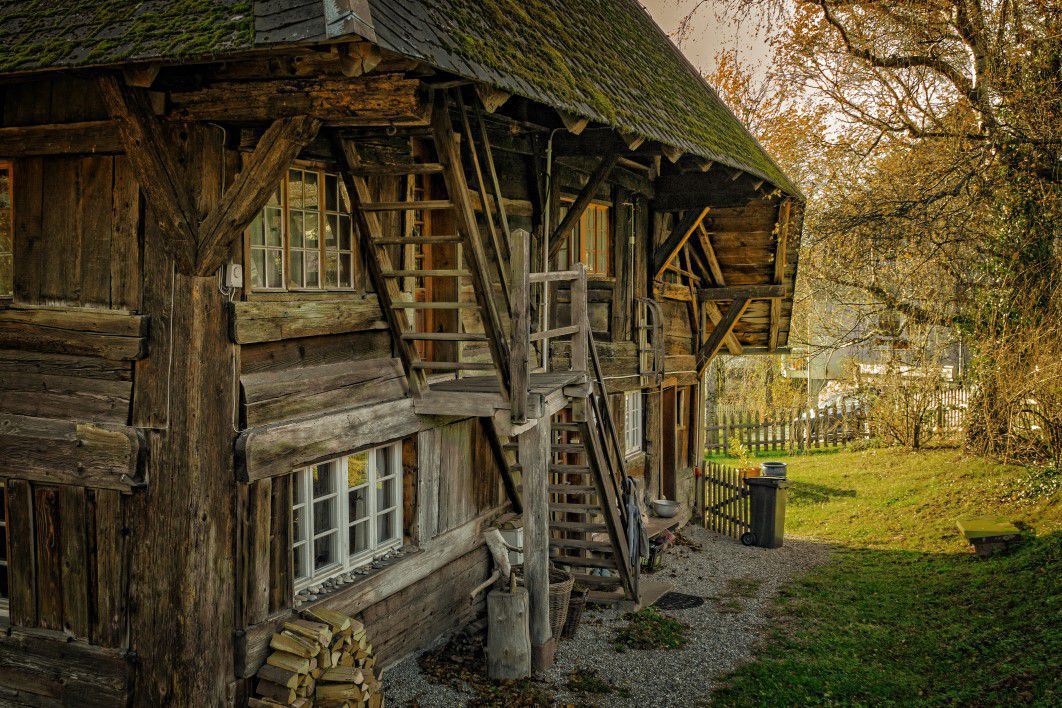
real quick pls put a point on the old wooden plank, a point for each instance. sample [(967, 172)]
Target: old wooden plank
[(22, 579), (381, 99), (46, 669), (73, 524), (715, 340), (95, 229), (125, 242), (277, 449), (288, 394), (680, 233), (281, 572), (110, 594), (61, 232), (57, 396), (750, 292), (28, 245), (260, 530), (69, 452), (87, 137), (80, 332), (266, 321), (46, 526)]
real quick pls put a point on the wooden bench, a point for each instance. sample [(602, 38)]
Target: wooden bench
[(988, 534)]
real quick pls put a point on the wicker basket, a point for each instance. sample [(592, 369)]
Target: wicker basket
[(560, 592), (575, 612)]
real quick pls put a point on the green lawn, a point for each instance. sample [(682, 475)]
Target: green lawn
[(903, 613)]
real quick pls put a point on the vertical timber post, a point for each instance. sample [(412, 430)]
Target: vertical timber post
[(520, 322), (534, 453)]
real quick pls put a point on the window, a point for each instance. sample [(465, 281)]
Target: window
[(7, 230), (632, 422), (345, 512), (590, 242), (3, 549), (303, 239)]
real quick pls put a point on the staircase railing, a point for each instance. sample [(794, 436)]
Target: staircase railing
[(578, 331)]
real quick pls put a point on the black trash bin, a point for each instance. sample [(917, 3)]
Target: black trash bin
[(768, 512)]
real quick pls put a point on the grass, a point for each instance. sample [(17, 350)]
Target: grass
[(649, 629), (902, 612)]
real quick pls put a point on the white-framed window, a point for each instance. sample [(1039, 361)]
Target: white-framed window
[(632, 422), (345, 512)]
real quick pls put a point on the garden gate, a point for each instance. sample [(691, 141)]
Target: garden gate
[(728, 509)]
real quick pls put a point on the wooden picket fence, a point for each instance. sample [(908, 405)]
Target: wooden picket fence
[(728, 508), (829, 426)]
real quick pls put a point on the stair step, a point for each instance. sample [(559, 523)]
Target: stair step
[(606, 597), (416, 239), (569, 447), (424, 205), (419, 168), (572, 489), (581, 544), (445, 336), (577, 526), (598, 581), (577, 562), (453, 366), (405, 305), (570, 469), (426, 274), (578, 508), (577, 427)]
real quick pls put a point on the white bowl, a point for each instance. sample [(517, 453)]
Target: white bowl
[(665, 508)]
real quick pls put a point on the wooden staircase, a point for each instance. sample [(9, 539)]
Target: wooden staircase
[(588, 531), (387, 279)]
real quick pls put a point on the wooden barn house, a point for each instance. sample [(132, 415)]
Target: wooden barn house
[(298, 297)]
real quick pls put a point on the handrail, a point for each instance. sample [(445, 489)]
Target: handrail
[(522, 337)]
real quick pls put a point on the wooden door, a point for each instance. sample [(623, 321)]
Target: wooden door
[(668, 457)]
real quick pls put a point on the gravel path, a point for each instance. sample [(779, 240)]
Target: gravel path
[(737, 582)]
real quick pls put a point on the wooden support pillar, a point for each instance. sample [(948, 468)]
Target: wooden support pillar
[(534, 453), (181, 593)]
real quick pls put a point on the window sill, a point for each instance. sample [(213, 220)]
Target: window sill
[(352, 578)]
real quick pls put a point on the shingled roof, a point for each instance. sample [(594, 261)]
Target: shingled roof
[(601, 59)]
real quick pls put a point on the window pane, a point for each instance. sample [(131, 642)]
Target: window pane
[(311, 227), (324, 551), (274, 198), (385, 529), (258, 266), (257, 233), (295, 229), (323, 480), (310, 199), (273, 234), (359, 538), (385, 494), (346, 270), (358, 500), (324, 515), (296, 269), (313, 269), (275, 268), (357, 469), (331, 230), (295, 189), (331, 274)]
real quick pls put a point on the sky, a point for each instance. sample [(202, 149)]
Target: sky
[(709, 33)]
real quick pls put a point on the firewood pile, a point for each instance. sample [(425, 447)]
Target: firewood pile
[(322, 659)]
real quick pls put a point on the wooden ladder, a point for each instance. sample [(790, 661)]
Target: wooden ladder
[(386, 278), (587, 531)]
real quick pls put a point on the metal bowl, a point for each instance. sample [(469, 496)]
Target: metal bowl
[(665, 508)]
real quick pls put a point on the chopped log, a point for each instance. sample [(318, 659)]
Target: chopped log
[(290, 662), (508, 636), (337, 621), (268, 689), (313, 631), (343, 674), (281, 677), (284, 641)]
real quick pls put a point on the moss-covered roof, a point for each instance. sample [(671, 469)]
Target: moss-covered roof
[(602, 59), (36, 34)]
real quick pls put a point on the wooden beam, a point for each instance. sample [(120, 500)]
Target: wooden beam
[(666, 251), (149, 147), (534, 456), (254, 321), (687, 190), (747, 292), (258, 179), (715, 340), (96, 333), (87, 138), (375, 100), (582, 201), (673, 154), (716, 316), (491, 98), (709, 252), (780, 258)]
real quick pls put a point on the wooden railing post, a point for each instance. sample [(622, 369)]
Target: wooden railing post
[(520, 352), (581, 319)]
